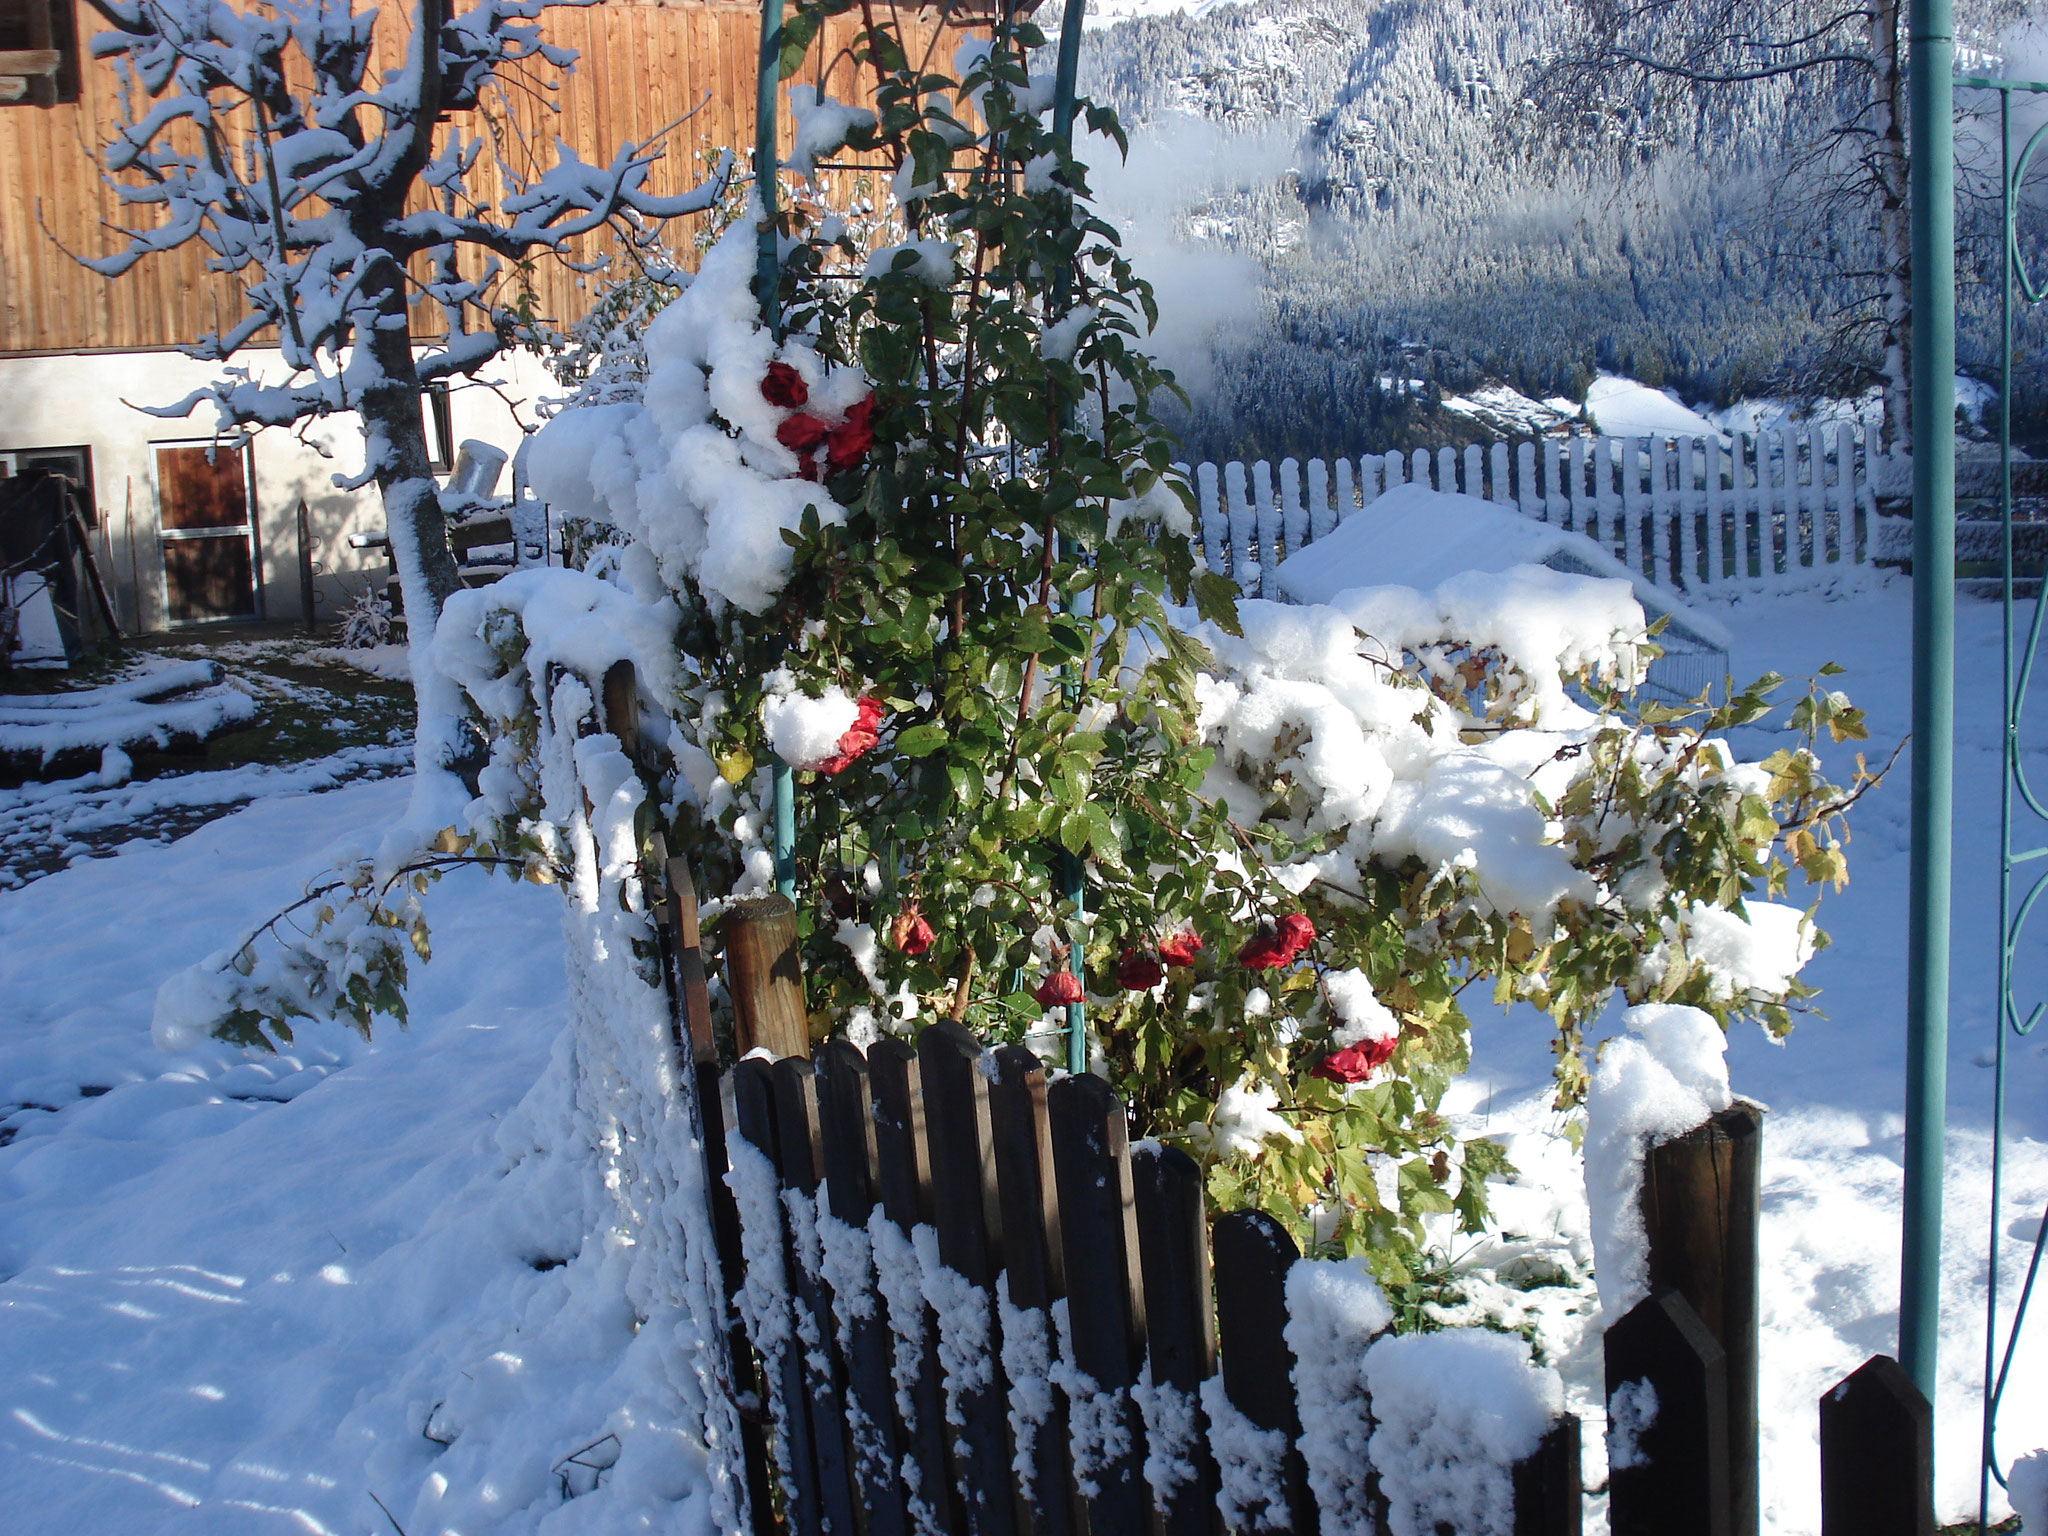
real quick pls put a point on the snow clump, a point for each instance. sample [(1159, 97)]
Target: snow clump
[(822, 126), (1652, 1085), (1334, 1311), (1455, 1412), (695, 472), (2027, 1486), (804, 731)]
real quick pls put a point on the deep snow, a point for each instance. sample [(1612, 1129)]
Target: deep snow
[(220, 1313)]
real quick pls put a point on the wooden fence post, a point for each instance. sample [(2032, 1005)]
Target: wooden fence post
[(1253, 1255), (1180, 1314), (1550, 1495), (1034, 1265), (697, 1055), (968, 1217), (764, 976), (1876, 1454), (1105, 1303), (847, 1133), (1701, 1197), (903, 1180), (753, 1094), (796, 1126), (1667, 1412)]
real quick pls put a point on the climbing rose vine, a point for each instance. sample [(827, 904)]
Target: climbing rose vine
[(926, 544)]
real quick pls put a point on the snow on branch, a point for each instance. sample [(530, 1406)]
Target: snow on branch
[(267, 136)]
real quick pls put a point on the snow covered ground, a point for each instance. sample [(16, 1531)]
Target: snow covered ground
[(254, 1295)]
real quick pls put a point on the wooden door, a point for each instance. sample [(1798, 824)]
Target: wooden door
[(208, 532)]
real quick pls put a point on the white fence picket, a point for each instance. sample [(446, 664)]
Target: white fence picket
[(1768, 507)]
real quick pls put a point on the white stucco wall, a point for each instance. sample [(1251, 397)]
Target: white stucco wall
[(63, 401)]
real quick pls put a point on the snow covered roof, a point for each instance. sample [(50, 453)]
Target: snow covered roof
[(1415, 537), (1623, 408)]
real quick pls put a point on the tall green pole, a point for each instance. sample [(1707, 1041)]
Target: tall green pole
[(1932, 147), (1063, 127), (767, 283)]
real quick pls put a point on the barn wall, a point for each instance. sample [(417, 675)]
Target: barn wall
[(642, 68)]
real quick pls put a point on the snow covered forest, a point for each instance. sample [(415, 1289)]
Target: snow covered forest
[(1358, 194)]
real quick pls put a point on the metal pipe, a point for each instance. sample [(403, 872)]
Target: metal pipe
[(1932, 182), (767, 285), (1063, 128)]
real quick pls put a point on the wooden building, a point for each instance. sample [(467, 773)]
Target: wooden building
[(190, 530)]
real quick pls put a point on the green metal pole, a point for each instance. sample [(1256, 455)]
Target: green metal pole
[(1931, 128), (1063, 128), (767, 283)]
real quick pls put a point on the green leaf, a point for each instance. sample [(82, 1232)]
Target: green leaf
[(1216, 601), (922, 740)]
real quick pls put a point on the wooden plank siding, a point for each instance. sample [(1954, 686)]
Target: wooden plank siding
[(643, 65)]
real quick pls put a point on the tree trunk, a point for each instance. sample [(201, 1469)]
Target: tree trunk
[(1893, 222), (395, 453)]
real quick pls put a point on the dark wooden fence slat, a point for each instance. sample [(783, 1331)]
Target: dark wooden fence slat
[(903, 1184), (1252, 1256), (1105, 1300), (1033, 1264), (1550, 1496), (967, 1213), (1702, 1194), (1180, 1313), (1678, 1482), (1876, 1454), (796, 1125), (754, 1118), (846, 1114), (697, 1055)]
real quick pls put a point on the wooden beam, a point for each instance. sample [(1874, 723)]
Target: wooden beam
[(30, 61)]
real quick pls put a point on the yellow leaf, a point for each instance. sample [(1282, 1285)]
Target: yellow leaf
[(736, 765)]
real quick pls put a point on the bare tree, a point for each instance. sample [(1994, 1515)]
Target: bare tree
[(341, 196), (1847, 166)]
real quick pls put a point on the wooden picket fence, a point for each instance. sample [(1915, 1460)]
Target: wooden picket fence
[(1689, 513), (862, 1412)]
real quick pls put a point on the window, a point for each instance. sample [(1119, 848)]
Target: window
[(438, 417), (73, 463), (38, 52)]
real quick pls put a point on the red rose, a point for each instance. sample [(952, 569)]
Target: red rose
[(849, 442), (802, 432), (785, 387), (1058, 988), (1354, 1063), (1138, 971), (857, 739), (1278, 945), (910, 933), (1180, 948)]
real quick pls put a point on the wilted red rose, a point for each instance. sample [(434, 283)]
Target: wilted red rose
[(785, 387), (849, 442), (910, 933), (802, 432), (1058, 989), (857, 739), (1277, 945), (1180, 948), (1138, 971), (1354, 1063)]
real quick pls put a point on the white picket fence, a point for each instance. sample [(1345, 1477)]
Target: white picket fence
[(1766, 509)]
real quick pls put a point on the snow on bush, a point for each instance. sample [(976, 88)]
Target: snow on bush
[(1455, 1411), (1663, 1078), (1334, 1311)]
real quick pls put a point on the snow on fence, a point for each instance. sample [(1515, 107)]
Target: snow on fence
[(1690, 513), (945, 1294)]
